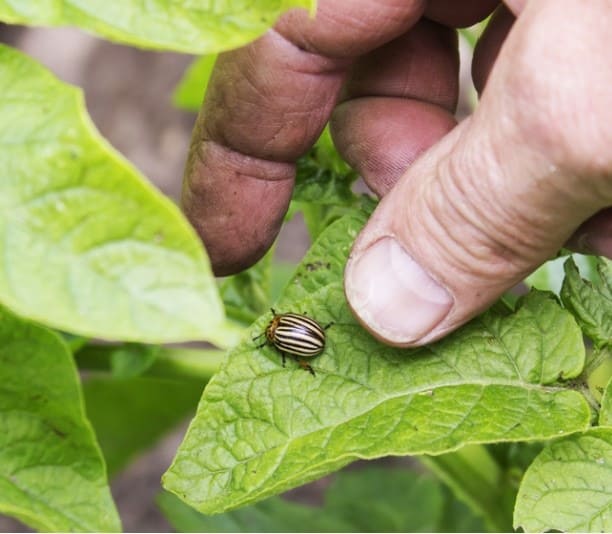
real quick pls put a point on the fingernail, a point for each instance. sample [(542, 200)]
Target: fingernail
[(393, 295)]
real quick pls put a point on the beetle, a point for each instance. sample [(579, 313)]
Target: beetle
[(295, 334)]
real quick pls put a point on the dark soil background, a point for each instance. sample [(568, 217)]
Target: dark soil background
[(127, 91)]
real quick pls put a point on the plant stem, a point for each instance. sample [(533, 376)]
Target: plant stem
[(183, 363), (475, 478)]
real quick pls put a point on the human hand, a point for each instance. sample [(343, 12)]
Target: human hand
[(492, 200)]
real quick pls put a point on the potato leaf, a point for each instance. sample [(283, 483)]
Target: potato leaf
[(53, 476), (187, 26), (262, 428), (88, 245), (590, 302), (567, 488)]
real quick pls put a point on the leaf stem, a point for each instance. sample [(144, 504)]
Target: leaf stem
[(475, 478), (183, 363)]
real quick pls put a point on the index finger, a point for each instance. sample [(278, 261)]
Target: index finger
[(265, 106)]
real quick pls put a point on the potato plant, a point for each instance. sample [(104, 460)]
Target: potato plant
[(510, 417)]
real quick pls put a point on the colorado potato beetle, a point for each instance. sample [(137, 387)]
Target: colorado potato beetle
[(297, 335)]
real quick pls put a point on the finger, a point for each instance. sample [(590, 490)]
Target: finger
[(502, 192), (489, 44), (470, 12), (265, 106), (516, 6), (594, 236), (381, 137), (398, 101)]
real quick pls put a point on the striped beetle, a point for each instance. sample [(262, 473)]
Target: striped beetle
[(297, 335)]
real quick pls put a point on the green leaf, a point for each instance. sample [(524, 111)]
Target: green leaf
[(280, 275), (247, 295), (189, 26), (598, 372), (272, 515), (88, 245), (590, 302), (366, 500), (550, 275), (323, 187), (189, 93), (567, 488), (605, 414), (250, 293), (318, 180), (52, 471), (329, 158), (133, 359), (129, 415), (261, 428), (384, 500)]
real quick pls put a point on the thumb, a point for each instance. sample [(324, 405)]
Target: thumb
[(497, 196)]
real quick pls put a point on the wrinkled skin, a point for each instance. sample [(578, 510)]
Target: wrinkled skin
[(467, 210)]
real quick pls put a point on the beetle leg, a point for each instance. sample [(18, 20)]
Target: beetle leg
[(328, 325), (284, 358), (306, 366), (257, 337)]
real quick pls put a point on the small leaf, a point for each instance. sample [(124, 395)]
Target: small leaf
[(567, 488), (591, 303), (321, 185), (261, 428), (550, 275), (88, 246), (129, 415), (189, 93), (52, 473), (189, 26)]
